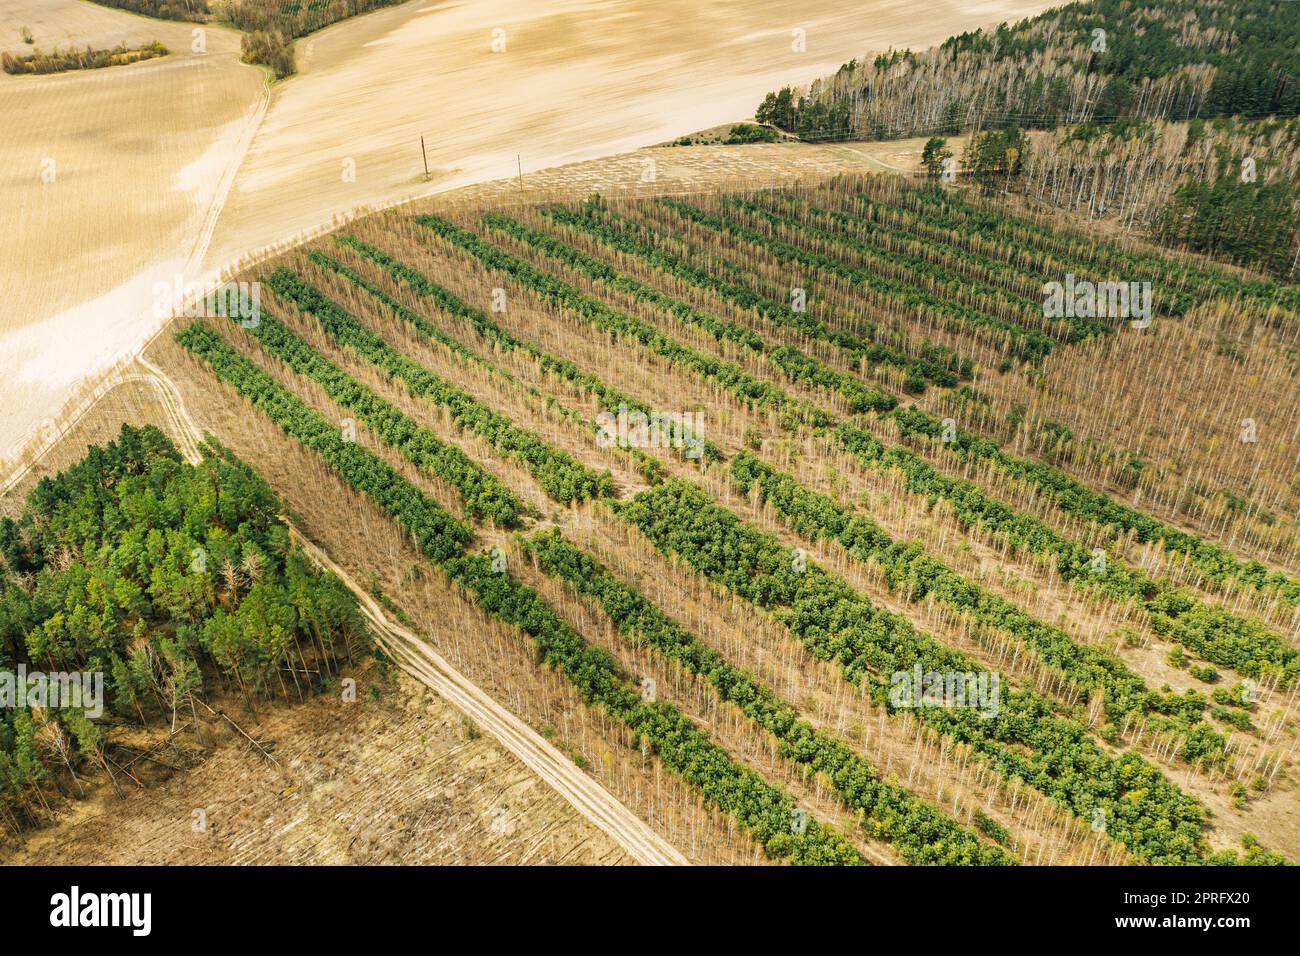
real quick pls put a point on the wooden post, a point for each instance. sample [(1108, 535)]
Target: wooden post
[(426, 159), (520, 163)]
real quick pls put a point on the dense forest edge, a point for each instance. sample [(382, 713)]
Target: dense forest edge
[(133, 587), (1175, 118)]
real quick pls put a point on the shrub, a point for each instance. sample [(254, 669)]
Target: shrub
[(743, 133), (57, 61), (271, 49)]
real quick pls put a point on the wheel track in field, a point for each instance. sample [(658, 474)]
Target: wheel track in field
[(421, 661), (417, 658)]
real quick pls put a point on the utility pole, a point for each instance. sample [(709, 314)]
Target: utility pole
[(426, 159), (520, 164)]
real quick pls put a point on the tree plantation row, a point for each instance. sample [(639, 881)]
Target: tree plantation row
[(1071, 495), (1032, 738), (454, 372), (764, 810), (1219, 636)]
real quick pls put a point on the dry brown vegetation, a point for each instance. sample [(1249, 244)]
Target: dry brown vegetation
[(494, 656), (1158, 417), (396, 777), (905, 750), (1031, 582)]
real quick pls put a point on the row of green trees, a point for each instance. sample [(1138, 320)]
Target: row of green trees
[(490, 331), (562, 476), (438, 535), (728, 375), (485, 496), (166, 580), (924, 362), (938, 365), (920, 832), (1214, 633), (1081, 253), (58, 61), (797, 366), (1140, 808), (1024, 342), (913, 574), (493, 334), (767, 812)]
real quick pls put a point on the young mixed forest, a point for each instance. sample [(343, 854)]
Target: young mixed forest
[(1174, 116), (171, 582)]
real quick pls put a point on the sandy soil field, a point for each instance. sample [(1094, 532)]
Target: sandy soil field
[(106, 178), (170, 168), (576, 79)]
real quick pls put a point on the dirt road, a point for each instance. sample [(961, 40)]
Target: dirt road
[(415, 656), (426, 665), (499, 86), (107, 179)]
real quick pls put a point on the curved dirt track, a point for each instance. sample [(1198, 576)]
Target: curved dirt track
[(496, 86), (417, 658), (426, 665), (109, 179)]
